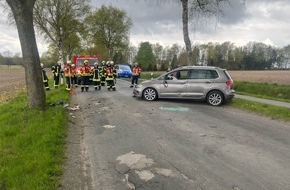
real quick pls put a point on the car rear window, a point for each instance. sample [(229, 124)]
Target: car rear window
[(228, 75), (124, 67)]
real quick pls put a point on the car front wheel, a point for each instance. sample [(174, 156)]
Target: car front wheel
[(215, 98), (150, 94)]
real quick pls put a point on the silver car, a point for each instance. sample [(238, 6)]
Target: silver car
[(211, 84)]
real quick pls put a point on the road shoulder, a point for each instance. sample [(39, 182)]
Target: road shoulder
[(76, 171)]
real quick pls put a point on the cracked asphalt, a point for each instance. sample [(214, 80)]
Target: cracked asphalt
[(117, 142)]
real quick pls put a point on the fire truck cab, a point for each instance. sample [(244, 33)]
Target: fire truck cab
[(79, 61)]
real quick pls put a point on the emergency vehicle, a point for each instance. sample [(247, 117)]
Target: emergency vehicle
[(79, 61)]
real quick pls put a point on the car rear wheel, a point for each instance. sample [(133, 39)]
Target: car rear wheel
[(150, 94), (215, 98)]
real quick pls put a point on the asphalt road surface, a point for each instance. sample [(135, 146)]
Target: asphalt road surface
[(118, 142)]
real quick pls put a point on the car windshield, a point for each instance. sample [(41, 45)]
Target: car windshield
[(124, 67), (80, 61)]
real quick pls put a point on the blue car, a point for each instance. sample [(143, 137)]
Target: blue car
[(124, 70)]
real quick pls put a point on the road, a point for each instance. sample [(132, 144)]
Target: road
[(118, 142)]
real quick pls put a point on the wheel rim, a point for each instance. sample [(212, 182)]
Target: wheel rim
[(149, 94), (215, 99)]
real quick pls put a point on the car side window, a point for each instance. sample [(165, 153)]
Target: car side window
[(177, 75), (171, 76), (203, 74), (212, 74), (183, 74)]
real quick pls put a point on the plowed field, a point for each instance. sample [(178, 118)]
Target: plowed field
[(12, 80), (271, 77)]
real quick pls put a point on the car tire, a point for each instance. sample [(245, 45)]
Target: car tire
[(150, 94), (215, 98)]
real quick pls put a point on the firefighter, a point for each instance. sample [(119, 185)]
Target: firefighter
[(136, 74), (44, 77), (57, 72), (68, 75), (114, 71), (103, 73), (97, 76), (110, 76), (74, 75), (85, 74)]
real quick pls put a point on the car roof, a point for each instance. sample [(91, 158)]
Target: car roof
[(198, 67)]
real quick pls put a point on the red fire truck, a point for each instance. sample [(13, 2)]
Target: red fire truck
[(79, 61)]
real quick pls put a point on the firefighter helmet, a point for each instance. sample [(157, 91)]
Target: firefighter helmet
[(112, 62), (96, 63), (108, 62), (68, 61), (86, 61)]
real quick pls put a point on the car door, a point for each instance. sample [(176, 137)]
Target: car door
[(200, 82), (174, 84)]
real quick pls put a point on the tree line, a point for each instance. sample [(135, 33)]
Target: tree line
[(155, 57), (252, 56)]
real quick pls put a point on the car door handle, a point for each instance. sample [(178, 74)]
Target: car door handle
[(165, 84), (208, 82)]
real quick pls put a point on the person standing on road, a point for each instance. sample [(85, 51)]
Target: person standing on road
[(135, 74), (68, 75), (110, 76), (97, 76), (57, 72), (103, 73), (85, 73), (74, 75), (44, 77)]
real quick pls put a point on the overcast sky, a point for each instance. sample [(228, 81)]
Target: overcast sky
[(266, 21)]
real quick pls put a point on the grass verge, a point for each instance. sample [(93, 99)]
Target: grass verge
[(274, 112), (264, 90), (32, 143)]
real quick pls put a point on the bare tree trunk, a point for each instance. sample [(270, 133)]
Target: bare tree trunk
[(185, 31), (23, 14)]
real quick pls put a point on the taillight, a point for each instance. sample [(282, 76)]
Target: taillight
[(229, 83)]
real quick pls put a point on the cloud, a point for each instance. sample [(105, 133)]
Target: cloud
[(160, 21)]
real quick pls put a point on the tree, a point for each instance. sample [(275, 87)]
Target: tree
[(284, 58), (60, 22), (8, 54), (172, 51), (158, 52), (206, 7), (109, 26), (23, 14), (145, 56), (174, 63)]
